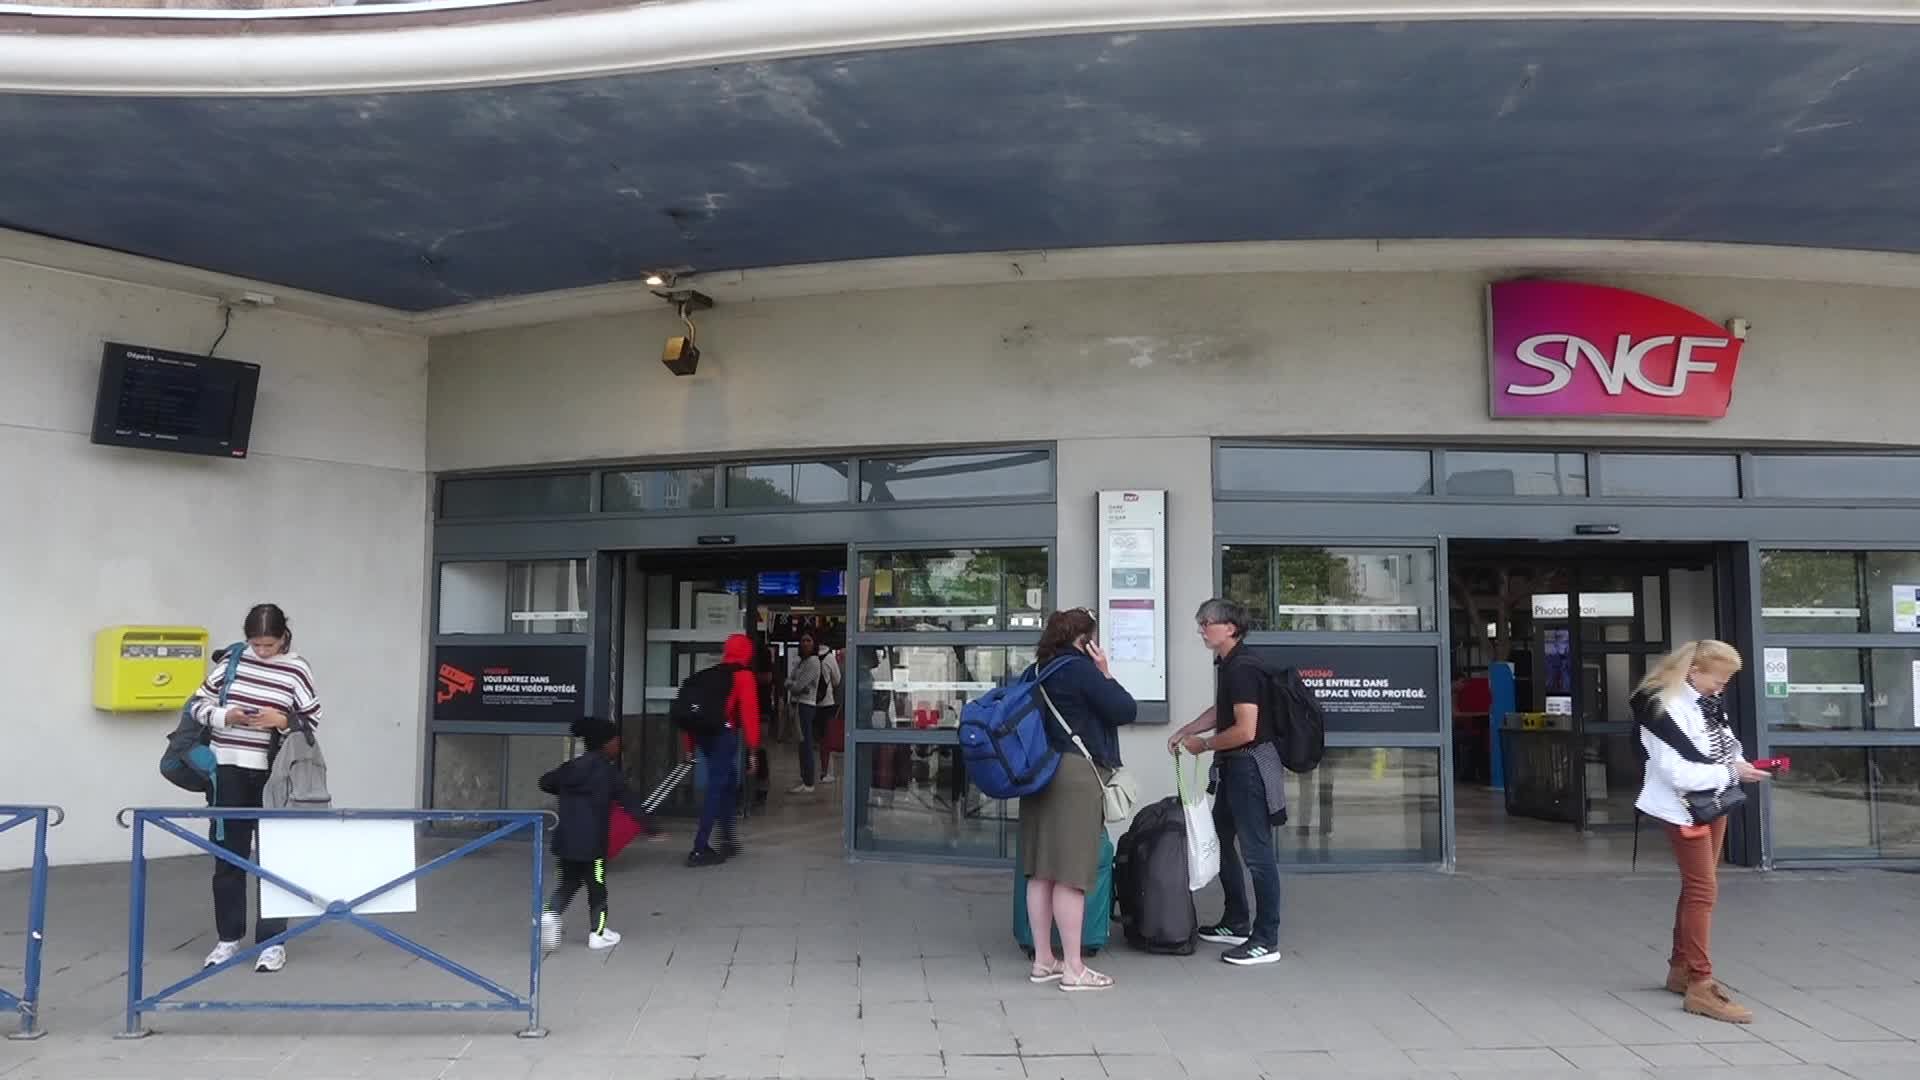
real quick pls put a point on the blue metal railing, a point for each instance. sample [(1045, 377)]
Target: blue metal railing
[(27, 1001), (506, 823)]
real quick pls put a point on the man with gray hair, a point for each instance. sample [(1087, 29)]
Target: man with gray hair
[(1246, 787)]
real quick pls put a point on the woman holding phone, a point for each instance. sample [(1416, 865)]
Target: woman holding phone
[(1694, 768), (272, 690), (1061, 825)]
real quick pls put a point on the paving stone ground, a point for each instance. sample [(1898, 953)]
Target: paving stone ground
[(792, 962)]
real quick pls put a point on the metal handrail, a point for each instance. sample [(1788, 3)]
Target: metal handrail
[(27, 1001), (507, 822)]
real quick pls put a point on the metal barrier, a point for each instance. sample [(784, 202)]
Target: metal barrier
[(27, 1001), (507, 823)]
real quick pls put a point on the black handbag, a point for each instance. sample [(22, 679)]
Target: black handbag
[(1706, 806)]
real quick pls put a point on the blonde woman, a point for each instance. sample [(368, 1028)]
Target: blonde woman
[(1691, 749)]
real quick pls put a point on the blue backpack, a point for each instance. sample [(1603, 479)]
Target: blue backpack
[(1003, 737), (188, 761)]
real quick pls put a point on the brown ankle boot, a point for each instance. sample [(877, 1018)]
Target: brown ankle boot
[(1707, 999), (1677, 978)]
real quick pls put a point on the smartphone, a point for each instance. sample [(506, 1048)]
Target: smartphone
[(1774, 764), (250, 710)]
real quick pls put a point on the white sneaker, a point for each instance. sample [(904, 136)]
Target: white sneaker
[(829, 779), (222, 953), (800, 789), (271, 960), (549, 931), (605, 939)]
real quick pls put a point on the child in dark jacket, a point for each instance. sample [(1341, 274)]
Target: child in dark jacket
[(587, 787)]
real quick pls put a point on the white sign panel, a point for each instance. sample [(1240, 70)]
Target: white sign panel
[(336, 859), (1776, 672), (1906, 609), (1133, 589), (1593, 605), (1916, 693)]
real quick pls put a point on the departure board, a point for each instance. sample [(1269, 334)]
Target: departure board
[(175, 401)]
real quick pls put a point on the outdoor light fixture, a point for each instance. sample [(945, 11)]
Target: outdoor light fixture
[(656, 280), (681, 355)]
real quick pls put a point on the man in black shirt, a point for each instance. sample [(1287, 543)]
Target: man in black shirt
[(1231, 729)]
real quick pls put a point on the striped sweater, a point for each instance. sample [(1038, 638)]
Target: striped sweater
[(283, 682)]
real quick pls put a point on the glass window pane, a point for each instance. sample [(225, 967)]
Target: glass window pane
[(657, 489), (1893, 591), (1836, 476), (473, 598), (529, 757), (1366, 805), (1809, 592), (516, 496), (1826, 689), (1321, 588), (466, 772), (922, 687), (1820, 808), (953, 589), (1492, 473), (1670, 475), (1293, 470), (790, 484), (1896, 797), (915, 799), (957, 476), (548, 597)]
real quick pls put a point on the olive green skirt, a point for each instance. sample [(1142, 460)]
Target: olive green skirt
[(1060, 827)]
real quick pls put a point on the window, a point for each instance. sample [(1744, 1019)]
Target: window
[(1365, 805), (1840, 592), (1704, 476), (658, 489), (924, 687), (1287, 470), (1836, 476), (516, 496), (1845, 689), (916, 799), (545, 597), (954, 590), (1493, 473), (1323, 588), (793, 484), (1848, 802), (957, 476)]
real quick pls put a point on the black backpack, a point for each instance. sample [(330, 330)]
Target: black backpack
[(1299, 727), (188, 762), (700, 705), (1150, 882)]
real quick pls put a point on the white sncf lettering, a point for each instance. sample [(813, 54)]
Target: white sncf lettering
[(1616, 374)]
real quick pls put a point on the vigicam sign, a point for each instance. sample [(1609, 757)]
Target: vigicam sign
[(1563, 349)]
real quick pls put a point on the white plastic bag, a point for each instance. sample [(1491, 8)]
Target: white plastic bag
[(1203, 844)]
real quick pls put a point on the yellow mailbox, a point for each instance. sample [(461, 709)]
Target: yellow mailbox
[(147, 668)]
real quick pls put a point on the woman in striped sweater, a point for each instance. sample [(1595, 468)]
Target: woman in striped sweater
[(272, 688)]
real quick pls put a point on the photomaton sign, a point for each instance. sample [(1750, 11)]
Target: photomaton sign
[(1559, 348)]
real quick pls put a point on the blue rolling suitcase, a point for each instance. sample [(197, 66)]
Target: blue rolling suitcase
[(1099, 918)]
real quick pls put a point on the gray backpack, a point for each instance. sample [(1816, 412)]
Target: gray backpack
[(299, 777)]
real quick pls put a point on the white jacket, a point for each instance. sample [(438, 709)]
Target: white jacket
[(1668, 773)]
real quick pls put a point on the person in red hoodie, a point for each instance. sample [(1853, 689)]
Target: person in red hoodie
[(722, 752)]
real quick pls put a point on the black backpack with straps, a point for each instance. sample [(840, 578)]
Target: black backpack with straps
[(1299, 726), (700, 705)]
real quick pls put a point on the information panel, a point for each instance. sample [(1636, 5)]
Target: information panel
[(1133, 589), (520, 683)]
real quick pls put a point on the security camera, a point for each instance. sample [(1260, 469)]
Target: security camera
[(681, 356), (1739, 328)]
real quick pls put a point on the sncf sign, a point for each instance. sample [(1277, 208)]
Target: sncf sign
[(1564, 349)]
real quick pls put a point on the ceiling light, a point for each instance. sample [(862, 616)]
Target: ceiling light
[(656, 280)]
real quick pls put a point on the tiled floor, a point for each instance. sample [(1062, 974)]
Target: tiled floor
[(793, 963)]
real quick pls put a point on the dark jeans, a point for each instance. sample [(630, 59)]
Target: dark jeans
[(1240, 817), (805, 717), (722, 752), (237, 787), (575, 873)]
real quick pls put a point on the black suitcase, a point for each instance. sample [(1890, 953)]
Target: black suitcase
[(1150, 882)]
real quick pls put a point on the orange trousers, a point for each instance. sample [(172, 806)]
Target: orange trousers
[(1698, 857)]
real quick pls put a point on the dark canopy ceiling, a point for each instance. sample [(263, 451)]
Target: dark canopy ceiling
[(1737, 132)]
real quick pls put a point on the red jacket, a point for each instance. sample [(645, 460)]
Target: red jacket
[(743, 704)]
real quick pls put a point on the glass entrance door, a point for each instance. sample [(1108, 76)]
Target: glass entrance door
[(1619, 625)]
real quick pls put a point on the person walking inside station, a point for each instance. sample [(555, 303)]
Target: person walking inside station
[(1695, 767), (587, 789), (272, 692), (1247, 785), (722, 751)]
